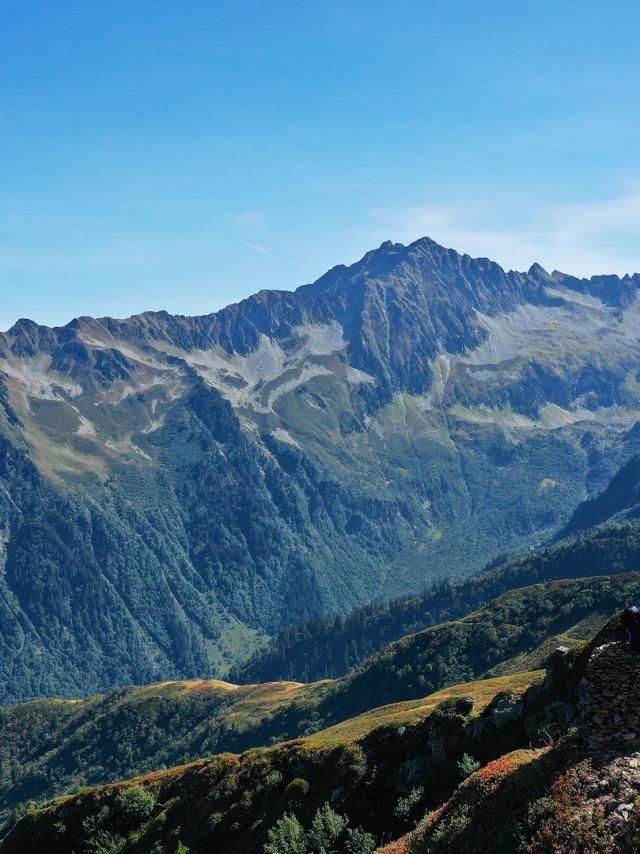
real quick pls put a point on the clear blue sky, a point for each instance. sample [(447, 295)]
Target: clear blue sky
[(182, 155)]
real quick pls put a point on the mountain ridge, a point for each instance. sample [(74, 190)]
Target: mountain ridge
[(214, 479), (24, 327), (52, 745)]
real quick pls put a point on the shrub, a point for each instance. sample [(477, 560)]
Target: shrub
[(136, 804), (359, 842), (286, 837), (273, 778), (467, 765), (297, 788), (104, 842), (329, 834), (453, 707), (327, 828), (405, 806)]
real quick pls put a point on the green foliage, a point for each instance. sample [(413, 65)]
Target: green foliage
[(104, 842), (173, 534), (406, 806), (136, 804), (329, 833), (530, 801), (100, 839), (461, 651), (228, 804), (94, 822), (620, 499), (362, 792), (359, 842), (286, 837), (467, 765), (331, 646), (165, 726), (327, 830), (137, 579)]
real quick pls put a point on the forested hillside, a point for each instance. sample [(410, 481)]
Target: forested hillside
[(46, 747), (619, 500), (100, 591), (330, 647), (349, 796)]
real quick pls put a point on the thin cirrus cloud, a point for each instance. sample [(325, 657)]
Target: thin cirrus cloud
[(251, 218), (583, 238), (259, 249)]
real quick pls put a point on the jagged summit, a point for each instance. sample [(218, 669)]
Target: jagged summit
[(402, 418), (424, 258), (538, 270)]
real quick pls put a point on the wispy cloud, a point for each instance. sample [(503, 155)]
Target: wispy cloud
[(580, 238), (257, 248), (251, 218)]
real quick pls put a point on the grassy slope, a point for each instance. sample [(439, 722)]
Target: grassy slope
[(549, 801), (46, 747), (381, 781), (381, 778), (411, 712), (229, 802), (516, 623)]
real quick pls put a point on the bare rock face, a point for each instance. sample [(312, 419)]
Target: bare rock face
[(611, 699), (507, 707)]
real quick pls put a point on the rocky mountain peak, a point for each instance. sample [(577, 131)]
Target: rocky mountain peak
[(537, 271)]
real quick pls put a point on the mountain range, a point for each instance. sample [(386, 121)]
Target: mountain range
[(174, 491)]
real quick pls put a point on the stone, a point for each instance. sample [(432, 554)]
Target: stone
[(611, 700)]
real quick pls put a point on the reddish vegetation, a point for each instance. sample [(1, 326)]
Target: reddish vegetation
[(400, 846), (494, 772)]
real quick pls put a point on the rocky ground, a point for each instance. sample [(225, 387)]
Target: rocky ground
[(611, 795)]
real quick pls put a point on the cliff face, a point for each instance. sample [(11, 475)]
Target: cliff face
[(579, 793)]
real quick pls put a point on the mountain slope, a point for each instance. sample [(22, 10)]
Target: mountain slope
[(330, 647), (173, 489), (347, 796), (544, 800), (620, 500), (48, 746), (230, 802)]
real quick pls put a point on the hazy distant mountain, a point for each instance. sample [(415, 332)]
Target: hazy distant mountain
[(171, 488)]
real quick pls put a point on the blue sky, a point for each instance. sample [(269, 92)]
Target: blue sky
[(182, 155)]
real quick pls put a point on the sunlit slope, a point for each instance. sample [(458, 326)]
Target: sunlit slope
[(379, 774), (48, 746)]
